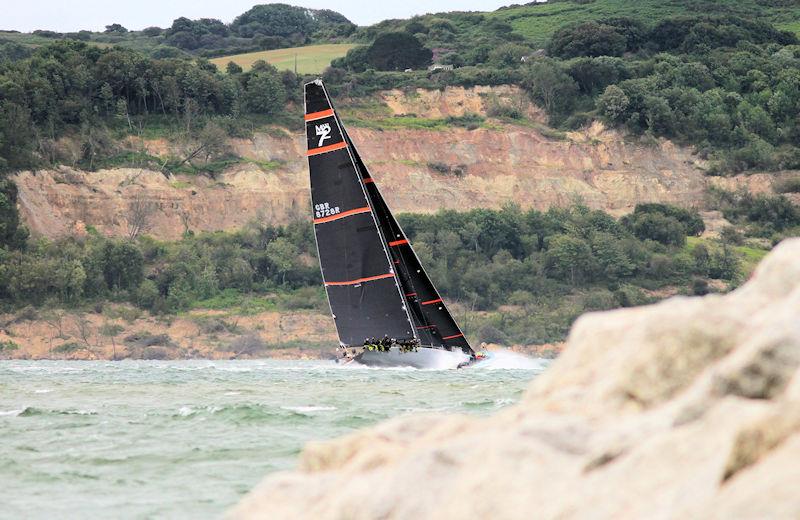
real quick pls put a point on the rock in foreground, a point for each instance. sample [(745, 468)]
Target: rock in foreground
[(685, 409)]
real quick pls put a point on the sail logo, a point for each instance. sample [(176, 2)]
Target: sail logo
[(324, 132)]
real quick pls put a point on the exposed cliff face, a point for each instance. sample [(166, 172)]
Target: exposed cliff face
[(489, 167), (459, 101), (684, 409)]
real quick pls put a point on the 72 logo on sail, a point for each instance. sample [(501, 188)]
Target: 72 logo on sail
[(324, 132)]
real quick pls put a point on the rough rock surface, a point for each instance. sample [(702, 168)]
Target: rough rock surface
[(689, 408)]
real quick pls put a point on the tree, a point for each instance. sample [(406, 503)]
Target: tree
[(550, 86), (111, 331), (587, 39), (122, 265), (275, 20), (152, 31), (568, 258), (264, 93), (398, 51), (656, 226), (12, 234), (138, 216), (233, 68), (212, 141), (283, 255), (508, 55), (16, 138), (115, 28)]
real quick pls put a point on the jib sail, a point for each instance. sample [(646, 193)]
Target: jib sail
[(363, 290), (433, 322)]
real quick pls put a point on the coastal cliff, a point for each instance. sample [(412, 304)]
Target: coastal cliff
[(683, 409), (420, 170)]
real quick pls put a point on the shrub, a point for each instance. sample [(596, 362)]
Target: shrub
[(699, 286), (790, 185), (397, 51), (66, 348), (249, 345), (8, 346)]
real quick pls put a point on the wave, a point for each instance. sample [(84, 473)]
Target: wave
[(30, 411), (305, 409), (248, 412)]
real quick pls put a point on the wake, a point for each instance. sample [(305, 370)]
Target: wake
[(509, 360)]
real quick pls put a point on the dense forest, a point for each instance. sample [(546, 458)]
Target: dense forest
[(719, 76)]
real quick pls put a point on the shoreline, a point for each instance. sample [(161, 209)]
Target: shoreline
[(547, 351), (120, 332)]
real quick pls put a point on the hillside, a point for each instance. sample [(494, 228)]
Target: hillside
[(538, 21), (565, 164)]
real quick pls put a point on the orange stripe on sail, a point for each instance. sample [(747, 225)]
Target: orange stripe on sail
[(319, 115), (454, 336), (398, 242), (431, 302), (329, 148), (361, 280), (367, 180), (343, 214)]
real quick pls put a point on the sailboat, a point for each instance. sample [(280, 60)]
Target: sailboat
[(386, 309)]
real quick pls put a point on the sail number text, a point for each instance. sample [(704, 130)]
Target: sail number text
[(325, 210)]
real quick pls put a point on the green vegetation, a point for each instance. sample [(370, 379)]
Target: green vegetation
[(8, 346), (311, 59), (768, 216), (95, 96), (264, 27), (538, 22), (549, 267), (725, 81), (721, 76), (397, 50), (66, 348)]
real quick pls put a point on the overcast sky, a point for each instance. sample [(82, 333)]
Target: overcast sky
[(74, 15)]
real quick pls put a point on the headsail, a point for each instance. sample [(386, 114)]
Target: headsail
[(363, 290)]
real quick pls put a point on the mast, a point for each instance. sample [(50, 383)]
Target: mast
[(432, 320), (363, 289)]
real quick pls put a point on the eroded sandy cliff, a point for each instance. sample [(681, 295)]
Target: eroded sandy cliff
[(490, 166)]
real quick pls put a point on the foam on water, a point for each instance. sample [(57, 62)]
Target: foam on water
[(166, 439), (508, 360)]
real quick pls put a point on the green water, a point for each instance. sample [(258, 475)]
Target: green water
[(186, 439)]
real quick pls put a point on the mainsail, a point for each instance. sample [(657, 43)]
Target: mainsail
[(334, 162)]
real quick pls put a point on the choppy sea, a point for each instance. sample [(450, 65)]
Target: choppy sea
[(186, 439)]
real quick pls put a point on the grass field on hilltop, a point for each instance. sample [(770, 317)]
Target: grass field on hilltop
[(539, 21), (310, 60)]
